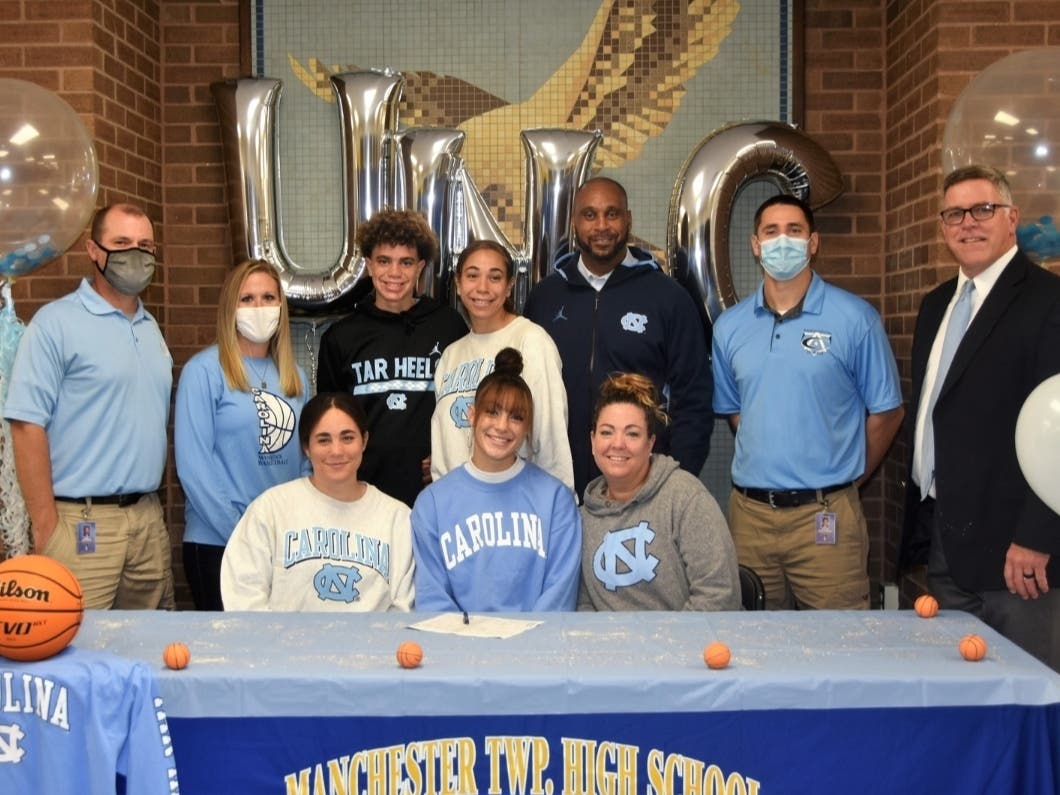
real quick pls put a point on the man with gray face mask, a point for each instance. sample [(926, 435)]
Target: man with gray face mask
[(88, 406), (807, 378)]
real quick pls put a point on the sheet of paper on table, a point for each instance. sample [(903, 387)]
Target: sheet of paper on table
[(477, 626)]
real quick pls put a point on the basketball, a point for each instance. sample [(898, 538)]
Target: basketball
[(717, 655), (276, 422), (972, 648), (409, 654), (176, 656), (40, 607), (926, 606)]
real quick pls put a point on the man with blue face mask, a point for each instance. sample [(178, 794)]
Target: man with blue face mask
[(807, 378), (88, 406)]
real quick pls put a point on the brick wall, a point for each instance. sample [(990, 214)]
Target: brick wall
[(845, 111), (103, 59), (881, 78), (200, 45)]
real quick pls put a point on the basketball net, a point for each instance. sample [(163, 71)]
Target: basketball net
[(14, 521)]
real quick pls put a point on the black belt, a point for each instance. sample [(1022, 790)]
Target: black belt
[(789, 498), (121, 500)]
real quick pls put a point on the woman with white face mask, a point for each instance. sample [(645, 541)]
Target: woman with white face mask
[(235, 431)]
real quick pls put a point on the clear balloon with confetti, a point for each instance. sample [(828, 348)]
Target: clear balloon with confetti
[(1008, 117)]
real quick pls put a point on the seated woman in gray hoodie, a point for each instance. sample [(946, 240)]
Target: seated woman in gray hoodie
[(653, 538)]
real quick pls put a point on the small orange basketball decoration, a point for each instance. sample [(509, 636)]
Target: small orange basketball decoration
[(176, 656), (717, 655), (973, 648), (926, 606), (409, 654), (41, 606)]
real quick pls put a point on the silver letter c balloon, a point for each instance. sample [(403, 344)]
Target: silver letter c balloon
[(706, 190)]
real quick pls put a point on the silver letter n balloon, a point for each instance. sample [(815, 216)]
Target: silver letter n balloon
[(706, 190)]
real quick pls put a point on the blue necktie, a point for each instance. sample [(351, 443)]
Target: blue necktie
[(962, 312)]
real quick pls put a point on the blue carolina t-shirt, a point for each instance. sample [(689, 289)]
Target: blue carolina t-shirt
[(73, 723)]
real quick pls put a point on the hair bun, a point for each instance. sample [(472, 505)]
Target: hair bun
[(636, 389), (508, 361)]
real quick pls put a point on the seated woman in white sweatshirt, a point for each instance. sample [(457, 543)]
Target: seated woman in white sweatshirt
[(324, 542)]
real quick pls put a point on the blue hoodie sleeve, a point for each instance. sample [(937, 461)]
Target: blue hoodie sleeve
[(691, 385), (560, 591), (433, 590), (193, 446)]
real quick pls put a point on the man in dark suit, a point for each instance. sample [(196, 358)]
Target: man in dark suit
[(991, 545)]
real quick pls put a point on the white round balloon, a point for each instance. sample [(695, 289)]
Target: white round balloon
[(1038, 441)]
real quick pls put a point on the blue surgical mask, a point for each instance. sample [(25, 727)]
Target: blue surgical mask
[(784, 257)]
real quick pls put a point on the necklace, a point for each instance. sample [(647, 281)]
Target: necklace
[(258, 372)]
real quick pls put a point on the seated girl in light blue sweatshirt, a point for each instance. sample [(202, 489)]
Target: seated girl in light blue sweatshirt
[(497, 533)]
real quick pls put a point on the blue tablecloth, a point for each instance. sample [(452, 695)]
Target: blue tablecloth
[(614, 702)]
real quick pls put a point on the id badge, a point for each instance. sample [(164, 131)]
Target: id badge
[(824, 527), (86, 537)]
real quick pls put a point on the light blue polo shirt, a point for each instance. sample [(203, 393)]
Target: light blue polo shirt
[(802, 387), (99, 383)]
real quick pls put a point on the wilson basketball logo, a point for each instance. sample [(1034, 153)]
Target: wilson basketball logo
[(12, 589)]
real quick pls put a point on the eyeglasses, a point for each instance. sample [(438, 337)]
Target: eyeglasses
[(952, 216)]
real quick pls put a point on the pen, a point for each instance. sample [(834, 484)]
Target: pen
[(466, 619)]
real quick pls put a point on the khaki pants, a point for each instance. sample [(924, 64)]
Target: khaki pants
[(131, 567), (778, 543)]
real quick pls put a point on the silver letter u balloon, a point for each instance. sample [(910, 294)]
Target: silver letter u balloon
[(367, 103)]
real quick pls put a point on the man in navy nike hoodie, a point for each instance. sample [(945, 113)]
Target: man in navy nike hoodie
[(610, 308)]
